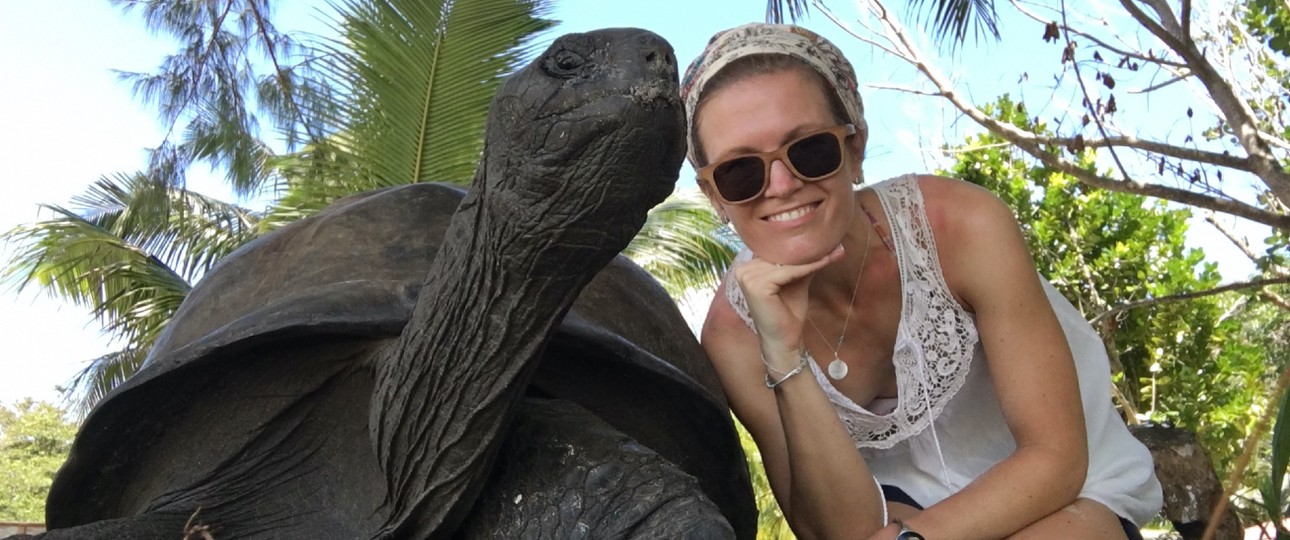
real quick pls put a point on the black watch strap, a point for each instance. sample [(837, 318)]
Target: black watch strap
[(906, 533)]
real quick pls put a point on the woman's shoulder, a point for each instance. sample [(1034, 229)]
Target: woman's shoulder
[(958, 208), (940, 189), (723, 322), (966, 221)]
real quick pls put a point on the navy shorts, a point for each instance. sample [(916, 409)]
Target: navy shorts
[(897, 495)]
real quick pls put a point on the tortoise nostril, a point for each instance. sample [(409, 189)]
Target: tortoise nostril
[(651, 56)]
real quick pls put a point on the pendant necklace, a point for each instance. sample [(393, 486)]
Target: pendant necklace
[(837, 368)]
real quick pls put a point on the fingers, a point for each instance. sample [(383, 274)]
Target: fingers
[(783, 274), (777, 297)]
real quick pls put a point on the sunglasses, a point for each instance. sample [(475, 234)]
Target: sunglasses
[(812, 157)]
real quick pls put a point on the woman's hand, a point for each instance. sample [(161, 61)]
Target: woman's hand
[(777, 296)]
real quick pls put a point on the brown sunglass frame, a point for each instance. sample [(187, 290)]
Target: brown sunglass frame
[(839, 132)]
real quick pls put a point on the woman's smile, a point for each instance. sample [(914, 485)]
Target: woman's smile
[(793, 215)]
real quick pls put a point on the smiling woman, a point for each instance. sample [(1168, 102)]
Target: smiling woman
[(967, 400)]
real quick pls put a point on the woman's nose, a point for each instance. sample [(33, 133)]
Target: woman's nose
[(782, 180)]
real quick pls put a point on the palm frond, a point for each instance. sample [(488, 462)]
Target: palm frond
[(682, 245), (420, 76), (74, 259), (953, 18), (100, 376), (312, 179), (186, 230), (948, 20), (128, 253), (796, 9)]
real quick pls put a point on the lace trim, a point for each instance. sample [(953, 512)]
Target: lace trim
[(932, 325)]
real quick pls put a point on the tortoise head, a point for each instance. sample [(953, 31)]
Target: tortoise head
[(582, 142)]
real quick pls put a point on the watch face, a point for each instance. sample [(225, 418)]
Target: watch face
[(909, 535)]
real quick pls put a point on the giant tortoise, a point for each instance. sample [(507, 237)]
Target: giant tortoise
[(423, 361)]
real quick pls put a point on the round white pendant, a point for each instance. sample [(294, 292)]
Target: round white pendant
[(837, 369)]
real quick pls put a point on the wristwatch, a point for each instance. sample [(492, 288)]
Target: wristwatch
[(906, 533)]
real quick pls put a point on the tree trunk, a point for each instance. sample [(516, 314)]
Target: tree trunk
[(1191, 487)]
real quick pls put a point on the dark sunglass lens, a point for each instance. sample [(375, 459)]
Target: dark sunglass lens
[(739, 179), (816, 156)]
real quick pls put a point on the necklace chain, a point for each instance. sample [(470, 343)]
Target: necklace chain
[(837, 368)]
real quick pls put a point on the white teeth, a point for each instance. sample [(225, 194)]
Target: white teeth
[(791, 214)]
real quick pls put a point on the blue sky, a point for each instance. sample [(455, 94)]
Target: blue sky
[(67, 121)]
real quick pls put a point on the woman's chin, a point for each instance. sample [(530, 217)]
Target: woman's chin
[(793, 256)]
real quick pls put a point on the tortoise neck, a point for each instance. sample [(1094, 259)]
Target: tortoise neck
[(484, 313)]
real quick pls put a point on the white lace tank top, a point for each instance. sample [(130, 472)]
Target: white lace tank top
[(943, 383)]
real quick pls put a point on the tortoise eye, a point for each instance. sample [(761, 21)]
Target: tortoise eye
[(564, 63)]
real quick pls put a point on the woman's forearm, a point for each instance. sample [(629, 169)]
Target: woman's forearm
[(1027, 486), (832, 493)]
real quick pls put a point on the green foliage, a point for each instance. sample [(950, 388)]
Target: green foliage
[(682, 244), (228, 71), (1104, 249), (34, 440), (411, 86), (771, 523), (1269, 20)]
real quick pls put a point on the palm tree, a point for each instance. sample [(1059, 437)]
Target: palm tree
[(400, 97), (129, 249), (949, 20)]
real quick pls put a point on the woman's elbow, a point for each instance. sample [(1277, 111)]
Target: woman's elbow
[(1070, 465)]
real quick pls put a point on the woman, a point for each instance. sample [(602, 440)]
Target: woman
[(951, 366)]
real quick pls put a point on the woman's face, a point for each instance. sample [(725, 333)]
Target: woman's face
[(793, 221)]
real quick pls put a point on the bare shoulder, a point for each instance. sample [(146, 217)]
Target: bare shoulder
[(733, 349), (723, 328), (973, 228), (964, 214)]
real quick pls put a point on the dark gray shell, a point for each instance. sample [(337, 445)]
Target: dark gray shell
[(298, 312)]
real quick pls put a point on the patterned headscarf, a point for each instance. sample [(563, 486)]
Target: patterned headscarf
[(762, 38)]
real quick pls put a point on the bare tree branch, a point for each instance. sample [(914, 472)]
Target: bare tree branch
[(1128, 141), (1186, 17), (1275, 141), (1235, 110), (1240, 244), (1088, 100), (1165, 19), (904, 89), (1275, 299), (1239, 286), (1037, 146), (1155, 87), (1102, 43), (1034, 144)]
